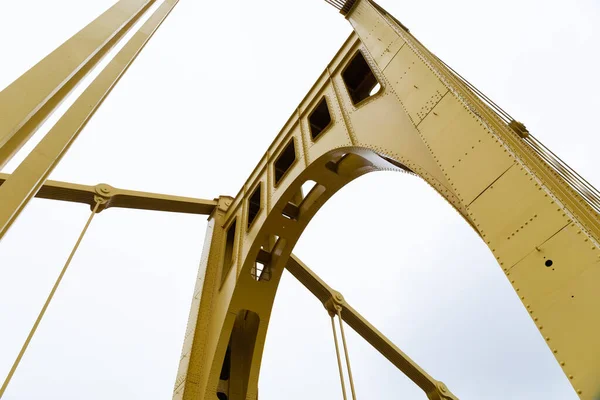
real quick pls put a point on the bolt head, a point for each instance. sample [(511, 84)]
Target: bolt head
[(104, 190)]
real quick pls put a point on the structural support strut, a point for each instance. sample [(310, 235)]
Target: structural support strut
[(334, 302), (120, 198)]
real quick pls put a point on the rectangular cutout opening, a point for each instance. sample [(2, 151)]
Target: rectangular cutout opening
[(359, 79), (285, 161), (291, 211), (320, 119), (307, 186), (254, 205), (229, 247), (261, 270)]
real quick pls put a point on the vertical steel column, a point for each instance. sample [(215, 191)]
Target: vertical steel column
[(197, 353)]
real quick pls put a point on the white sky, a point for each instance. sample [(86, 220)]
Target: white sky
[(194, 114)]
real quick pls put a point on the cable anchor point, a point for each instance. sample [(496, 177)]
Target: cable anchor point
[(335, 304)]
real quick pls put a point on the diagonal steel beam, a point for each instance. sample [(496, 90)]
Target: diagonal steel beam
[(330, 298), (28, 101), (29, 177), (121, 198)]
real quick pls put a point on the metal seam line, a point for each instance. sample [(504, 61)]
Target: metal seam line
[(48, 300), (337, 352), (339, 313)]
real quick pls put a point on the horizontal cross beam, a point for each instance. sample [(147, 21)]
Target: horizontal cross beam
[(121, 198)]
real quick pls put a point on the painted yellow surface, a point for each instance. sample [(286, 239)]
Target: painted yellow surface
[(423, 120)]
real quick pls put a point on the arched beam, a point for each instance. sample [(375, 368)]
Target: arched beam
[(423, 119)]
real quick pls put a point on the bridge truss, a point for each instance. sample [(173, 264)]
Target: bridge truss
[(384, 102)]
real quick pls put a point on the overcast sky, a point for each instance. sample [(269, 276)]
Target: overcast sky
[(193, 116)]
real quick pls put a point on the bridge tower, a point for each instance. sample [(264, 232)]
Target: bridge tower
[(384, 102)]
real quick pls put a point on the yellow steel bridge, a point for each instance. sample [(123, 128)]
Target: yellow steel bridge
[(384, 102)]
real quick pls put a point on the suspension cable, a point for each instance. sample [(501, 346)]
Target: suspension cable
[(339, 360), (339, 314), (48, 300), (588, 192), (501, 113)]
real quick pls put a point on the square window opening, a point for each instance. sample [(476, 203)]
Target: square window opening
[(228, 256), (359, 79), (261, 271), (254, 205), (285, 161), (320, 119)]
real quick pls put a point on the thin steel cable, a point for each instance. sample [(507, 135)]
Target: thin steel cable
[(572, 178), (580, 185), (335, 3), (589, 193), (339, 360), (564, 172), (490, 102), (579, 177), (339, 313), (48, 300)]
